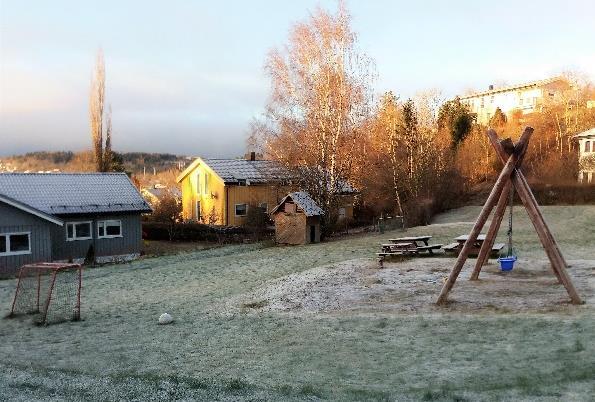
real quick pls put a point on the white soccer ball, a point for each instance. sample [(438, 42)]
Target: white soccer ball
[(165, 319)]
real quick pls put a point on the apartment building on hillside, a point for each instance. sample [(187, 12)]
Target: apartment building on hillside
[(527, 97), (586, 156)]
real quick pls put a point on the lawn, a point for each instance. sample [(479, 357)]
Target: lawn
[(318, 322)]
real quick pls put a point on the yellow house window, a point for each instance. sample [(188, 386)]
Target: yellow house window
[(206, 189), (197, 183)]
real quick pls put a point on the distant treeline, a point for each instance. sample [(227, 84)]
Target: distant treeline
[(133, 162)]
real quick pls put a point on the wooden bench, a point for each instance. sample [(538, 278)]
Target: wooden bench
[(451, 246), (456, 248), (397, 246), (401, 253), (401, 245), (498, 247), (430, 248)]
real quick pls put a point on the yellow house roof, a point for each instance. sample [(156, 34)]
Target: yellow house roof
[(235, 170)]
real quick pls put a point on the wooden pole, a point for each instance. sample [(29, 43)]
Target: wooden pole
[(527, 198), (503, 178), (550, 246), (508, 147), (488, 243), (481, 220), (531, 197)]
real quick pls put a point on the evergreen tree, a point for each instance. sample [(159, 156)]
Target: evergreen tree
[(456, 118)]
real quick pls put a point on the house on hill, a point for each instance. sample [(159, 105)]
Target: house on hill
[(221, 191), (155, 193), (527, 98), (60, 216), (586, 156), (297, 219)]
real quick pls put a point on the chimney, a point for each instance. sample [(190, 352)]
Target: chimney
[(491, 87), (252, 156)]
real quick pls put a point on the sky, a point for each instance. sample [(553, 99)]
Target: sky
[(187, 77)]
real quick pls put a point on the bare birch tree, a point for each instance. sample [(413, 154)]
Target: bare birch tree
[(389, 142), (320, 97)]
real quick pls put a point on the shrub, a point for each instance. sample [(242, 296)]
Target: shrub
[(197, 232)]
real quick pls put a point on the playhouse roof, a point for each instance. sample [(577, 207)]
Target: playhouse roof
[(302, 200)]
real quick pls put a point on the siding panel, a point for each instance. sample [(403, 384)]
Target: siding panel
[(129, 243), (15, 220)]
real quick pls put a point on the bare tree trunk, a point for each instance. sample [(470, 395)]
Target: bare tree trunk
[(96, 106), (107, 151), (397, 196)]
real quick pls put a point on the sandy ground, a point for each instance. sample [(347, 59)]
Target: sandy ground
[(412, 285)]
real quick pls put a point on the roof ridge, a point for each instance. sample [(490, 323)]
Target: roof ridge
[(66, 173), (512, 87)]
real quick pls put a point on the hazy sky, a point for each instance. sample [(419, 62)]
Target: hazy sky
[(186, 77)]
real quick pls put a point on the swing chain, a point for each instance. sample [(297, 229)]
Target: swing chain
[(511, 203)]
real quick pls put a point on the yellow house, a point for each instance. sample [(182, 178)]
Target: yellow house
[(221, 191)]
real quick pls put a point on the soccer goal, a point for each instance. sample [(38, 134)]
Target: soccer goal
[(49, 291)]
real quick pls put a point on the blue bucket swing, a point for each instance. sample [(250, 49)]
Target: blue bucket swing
[(507, 261)]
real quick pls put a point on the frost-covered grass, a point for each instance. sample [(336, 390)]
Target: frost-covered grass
[(120, 353)]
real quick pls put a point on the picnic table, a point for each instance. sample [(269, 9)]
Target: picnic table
[(402, 246), (416, 240), (460, 242)]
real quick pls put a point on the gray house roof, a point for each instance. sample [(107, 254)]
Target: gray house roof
[(73, 193), (302, 200), (30, 210)]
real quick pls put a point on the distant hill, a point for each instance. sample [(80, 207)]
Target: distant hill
[(68, 161)]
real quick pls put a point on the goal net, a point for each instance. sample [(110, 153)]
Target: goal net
[(49, 291)]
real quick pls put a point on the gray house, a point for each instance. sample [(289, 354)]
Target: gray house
[(60, 216)]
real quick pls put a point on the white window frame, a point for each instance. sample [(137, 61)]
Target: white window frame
[(197, 183), (235, 209), (105, 235), (75, 238), (198, 210), (7, 244)]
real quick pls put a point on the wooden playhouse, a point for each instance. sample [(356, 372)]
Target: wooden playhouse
[(297, 219)]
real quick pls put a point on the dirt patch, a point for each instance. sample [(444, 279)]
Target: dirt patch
[(412, 286)]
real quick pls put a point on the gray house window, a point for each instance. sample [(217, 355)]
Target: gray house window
[(109, 229), (241, 209), (15, 243), (78, 231)]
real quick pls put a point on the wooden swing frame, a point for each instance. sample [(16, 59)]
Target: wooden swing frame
[(512, 156)]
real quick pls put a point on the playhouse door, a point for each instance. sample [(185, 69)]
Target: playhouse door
[(312, 234)]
